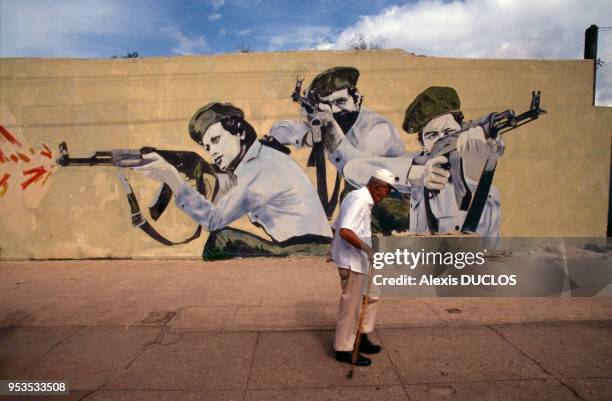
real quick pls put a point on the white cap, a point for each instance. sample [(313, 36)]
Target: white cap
[(387, 177)]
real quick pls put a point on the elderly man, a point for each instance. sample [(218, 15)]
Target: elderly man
[(349, 131), (259, 181), (436, 204), (352, 253)]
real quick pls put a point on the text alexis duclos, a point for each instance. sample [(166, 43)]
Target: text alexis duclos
[(457, 260)]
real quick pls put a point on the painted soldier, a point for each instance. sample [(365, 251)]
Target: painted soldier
[(437, 204), (349, 131), (434, 113), (258, 180)]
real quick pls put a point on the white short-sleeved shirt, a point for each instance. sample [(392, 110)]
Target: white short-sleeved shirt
[(355, 215)]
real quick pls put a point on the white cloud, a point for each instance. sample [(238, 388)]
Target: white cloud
[(243, 32), (214, 16), (49, 28), (216, 6), (490, 29), (245, 4), (299, 37), (187, 45)]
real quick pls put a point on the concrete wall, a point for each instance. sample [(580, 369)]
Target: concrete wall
[(553, 177)]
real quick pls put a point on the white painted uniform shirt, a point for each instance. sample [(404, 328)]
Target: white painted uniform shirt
[(443, 205), (371, 135), (355, 215), (450, 217), (271, 189)]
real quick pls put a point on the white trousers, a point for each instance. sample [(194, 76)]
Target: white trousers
[(354, 285)]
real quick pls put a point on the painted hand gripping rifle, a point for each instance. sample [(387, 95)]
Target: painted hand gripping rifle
[(493, 124), (317, 155), (190, 164)]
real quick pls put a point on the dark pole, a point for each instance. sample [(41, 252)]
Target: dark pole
[(609, 231), (590, 52)]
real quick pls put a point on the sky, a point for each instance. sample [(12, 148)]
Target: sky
[(508, 29)]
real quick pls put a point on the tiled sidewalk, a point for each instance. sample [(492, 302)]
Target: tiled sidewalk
[(262, 330), (529, 361)]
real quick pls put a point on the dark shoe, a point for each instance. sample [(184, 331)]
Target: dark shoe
[(347, 357), (367, 347)]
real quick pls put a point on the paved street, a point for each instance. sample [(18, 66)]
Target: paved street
[(262, 329)]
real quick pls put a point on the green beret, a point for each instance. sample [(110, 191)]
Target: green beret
[(208, 115), (432, 102), (334, 79)]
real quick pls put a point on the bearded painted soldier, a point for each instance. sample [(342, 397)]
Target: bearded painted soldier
[(349, 131)]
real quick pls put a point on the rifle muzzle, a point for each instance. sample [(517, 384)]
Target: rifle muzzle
[(64, 158)]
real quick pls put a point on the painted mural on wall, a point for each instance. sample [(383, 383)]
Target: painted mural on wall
[(337, 123), (448, 182), (25, 171), (22, 165), (445, 188)]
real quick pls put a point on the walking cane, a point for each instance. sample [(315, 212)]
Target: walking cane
[(364, 306)]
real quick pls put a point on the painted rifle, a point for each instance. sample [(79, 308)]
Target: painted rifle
[(188, 163), (307, 101)]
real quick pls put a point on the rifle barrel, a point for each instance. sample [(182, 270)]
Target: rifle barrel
[(98, 159)]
